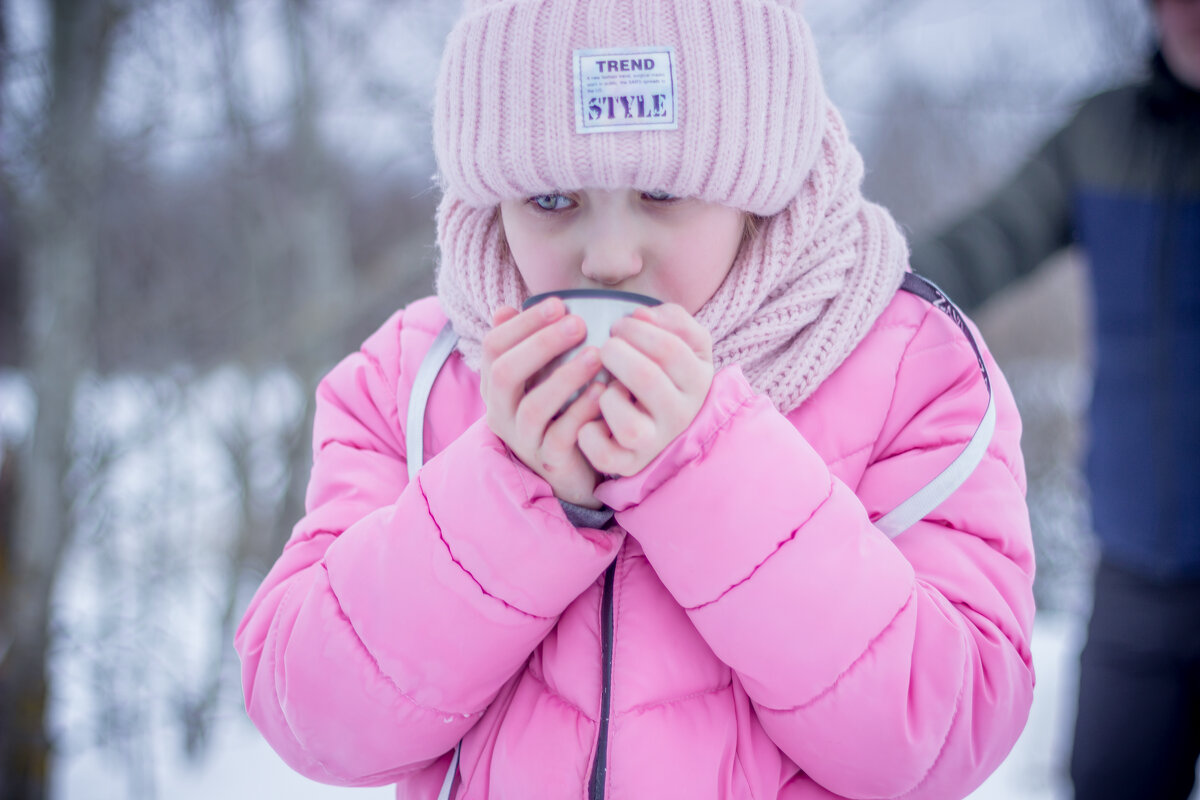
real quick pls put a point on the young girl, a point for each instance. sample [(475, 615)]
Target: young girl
[(685, 582)]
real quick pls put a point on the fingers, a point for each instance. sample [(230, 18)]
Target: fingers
[(529, 421), (675, 319), (503, 314), (503, 335), (653, 368), (661, 359), (563, 434), (511, 326), (631, 427), (542, 402), (516, 349), (602, 452), (623, 440), (666, 372)]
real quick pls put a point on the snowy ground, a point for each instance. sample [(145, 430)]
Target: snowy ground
[(244, 768)]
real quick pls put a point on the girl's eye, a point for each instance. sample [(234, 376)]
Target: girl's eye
[(551, 202), (658, 196)]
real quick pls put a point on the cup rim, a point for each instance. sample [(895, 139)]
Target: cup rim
[(607, 294)]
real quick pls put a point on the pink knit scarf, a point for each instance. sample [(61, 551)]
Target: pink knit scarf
[(800, 296)]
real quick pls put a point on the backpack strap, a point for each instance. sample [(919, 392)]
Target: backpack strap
[(931, 495), (414, 429), (451, 773), (414, 450)]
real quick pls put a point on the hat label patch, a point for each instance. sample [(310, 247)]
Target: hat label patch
[(625, 89)]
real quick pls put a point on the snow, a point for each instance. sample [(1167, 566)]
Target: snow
[(242, 767), (17, 405)]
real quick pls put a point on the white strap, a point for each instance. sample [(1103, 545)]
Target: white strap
[(447, 784), (931, 495), (431, 365), (414, 448)]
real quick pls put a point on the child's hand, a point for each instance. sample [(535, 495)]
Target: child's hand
[(520, 344), (662, 361)]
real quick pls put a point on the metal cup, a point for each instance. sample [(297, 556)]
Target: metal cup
[(599, 309)]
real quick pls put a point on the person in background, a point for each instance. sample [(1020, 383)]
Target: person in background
[(1122, 179)]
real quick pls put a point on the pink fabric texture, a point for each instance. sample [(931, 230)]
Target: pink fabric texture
[(768, 640), (756, 132)]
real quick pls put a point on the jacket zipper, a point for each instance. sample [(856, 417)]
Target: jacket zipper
[(600, 766)]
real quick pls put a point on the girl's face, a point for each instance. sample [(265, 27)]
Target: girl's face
[(674, 249)]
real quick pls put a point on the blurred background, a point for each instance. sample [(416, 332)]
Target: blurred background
[(205, 203)]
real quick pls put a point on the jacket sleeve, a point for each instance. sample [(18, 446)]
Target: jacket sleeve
[(397, 611), (881, 668), (1015, 230)]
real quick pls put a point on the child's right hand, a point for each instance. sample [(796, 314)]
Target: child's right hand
[(518, 346)]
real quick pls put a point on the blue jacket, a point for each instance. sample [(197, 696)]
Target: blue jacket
[(1122, 179)]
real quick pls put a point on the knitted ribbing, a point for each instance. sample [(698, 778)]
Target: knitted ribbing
[(748, 121), (801, 293), (805, 291)]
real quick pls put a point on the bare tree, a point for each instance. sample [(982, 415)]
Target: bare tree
[(308, 223), (8, 272), (323, 251), (263, 238), (57, 221)]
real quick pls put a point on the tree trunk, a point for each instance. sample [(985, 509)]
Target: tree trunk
[(57, 233), (22, 744), (314, 221), (325, 268)]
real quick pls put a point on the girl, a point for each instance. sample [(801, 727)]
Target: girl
[(684, 583)]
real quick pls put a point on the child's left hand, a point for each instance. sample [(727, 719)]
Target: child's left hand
[(661, 360)]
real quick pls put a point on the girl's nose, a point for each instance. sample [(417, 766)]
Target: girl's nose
[(612, 253)]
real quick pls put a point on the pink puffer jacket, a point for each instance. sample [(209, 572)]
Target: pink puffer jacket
[(757, 635)]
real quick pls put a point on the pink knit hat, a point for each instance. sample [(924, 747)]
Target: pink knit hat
[(726, 110), (716, 99)]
